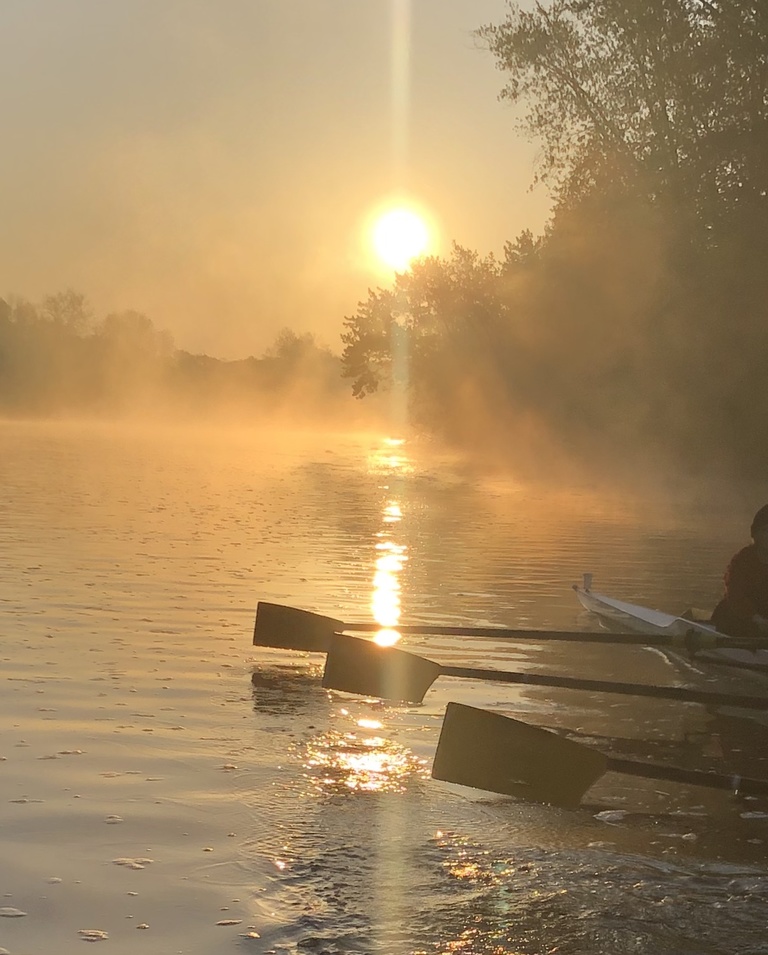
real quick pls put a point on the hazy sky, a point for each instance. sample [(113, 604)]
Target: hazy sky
[(215, 163)]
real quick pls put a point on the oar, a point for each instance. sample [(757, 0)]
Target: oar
[(362, 666), (499, 754), (292, 629)]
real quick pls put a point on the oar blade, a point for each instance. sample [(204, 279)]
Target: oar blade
[(291, 629), (499, 754), (355, 665)]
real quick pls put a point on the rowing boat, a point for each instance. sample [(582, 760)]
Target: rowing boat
[(633, 618)]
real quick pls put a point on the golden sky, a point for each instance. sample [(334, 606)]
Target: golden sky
[(216, 164)]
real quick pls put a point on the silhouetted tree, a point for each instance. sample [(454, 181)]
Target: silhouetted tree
[(68, 310), (56, 359), (669, 97), (636, 324), (445, 332)]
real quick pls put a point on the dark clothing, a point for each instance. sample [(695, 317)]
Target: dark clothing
[(760, 520), (746, 594)]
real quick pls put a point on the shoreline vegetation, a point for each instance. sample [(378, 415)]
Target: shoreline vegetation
[(629, 337), (57, 360), (632, 332)]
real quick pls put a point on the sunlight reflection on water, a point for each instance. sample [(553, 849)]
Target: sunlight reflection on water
[(390, 555), (347, 762), (138, 559)]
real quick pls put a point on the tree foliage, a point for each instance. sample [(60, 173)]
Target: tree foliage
[(670, 97), (445, 321), (68, 310), (56, 358), (635, 327)]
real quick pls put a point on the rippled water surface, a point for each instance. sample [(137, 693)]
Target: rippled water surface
[(132, 696)]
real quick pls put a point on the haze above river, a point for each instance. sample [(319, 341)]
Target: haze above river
[(162, 774)]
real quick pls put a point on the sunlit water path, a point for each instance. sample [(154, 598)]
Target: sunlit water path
[(161, 773)]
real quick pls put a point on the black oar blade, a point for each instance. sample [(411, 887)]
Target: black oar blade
[(292, 629), (362, 666), (490, 751)]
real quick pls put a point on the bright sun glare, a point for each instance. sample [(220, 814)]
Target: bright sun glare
[(399, 236)]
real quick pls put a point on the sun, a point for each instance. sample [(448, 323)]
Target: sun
[(399, 235)]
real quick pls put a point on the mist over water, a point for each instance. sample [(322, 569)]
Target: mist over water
[(263, 805), (477, 355)]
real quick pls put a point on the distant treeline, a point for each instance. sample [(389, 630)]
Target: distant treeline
[(56, 359), (636, 328)]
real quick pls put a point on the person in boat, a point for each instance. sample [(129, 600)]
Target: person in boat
[(743, 610)]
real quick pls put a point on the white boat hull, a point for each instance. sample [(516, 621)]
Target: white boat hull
[(632, 618)]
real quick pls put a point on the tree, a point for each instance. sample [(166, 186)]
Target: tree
[(446, 331), (668, 97), (132, 358), (131, 337), (67, 310), (291, 347)]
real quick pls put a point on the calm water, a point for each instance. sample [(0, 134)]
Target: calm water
[(135, 560)]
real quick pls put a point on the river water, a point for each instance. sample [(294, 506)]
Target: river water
[(134, 560)]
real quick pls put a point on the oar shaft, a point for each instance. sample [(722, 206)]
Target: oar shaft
[(683, 694), (446, 630), (692, 640), (693, 777)]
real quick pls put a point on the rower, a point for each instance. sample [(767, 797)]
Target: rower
[(743, 610)]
